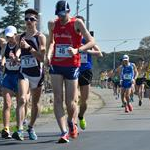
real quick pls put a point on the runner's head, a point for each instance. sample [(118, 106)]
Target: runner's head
[(31, 17), (62, 9), (125, 59), (10, 33), (141, 61)]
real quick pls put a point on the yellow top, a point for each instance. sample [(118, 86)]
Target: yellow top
[(148, 72), (102, 76)]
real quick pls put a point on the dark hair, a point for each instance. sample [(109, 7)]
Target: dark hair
[(31, 11), (92, 33), (141, 59), (81, 17)]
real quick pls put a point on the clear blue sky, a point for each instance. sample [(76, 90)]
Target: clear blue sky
[(111, 20)]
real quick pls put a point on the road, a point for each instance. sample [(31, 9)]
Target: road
[(109, 128)]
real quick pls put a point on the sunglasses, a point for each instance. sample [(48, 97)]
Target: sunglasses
[(30, 19), (8, 37)]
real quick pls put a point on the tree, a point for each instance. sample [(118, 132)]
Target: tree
[(145, 43), (14, 14)]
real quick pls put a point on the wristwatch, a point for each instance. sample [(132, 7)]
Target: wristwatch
[(80, 51)]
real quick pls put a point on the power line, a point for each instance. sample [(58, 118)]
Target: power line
[(111, 40)]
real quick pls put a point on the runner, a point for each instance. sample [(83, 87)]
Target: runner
[(65, 35), (85, 78), (109, 81), (32, 50), (128, 74), (140, 80), (102, 79), (2, 42), (116, 84), (147, 77), (10, 80)]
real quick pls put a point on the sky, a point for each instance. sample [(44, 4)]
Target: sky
[(113, 21)]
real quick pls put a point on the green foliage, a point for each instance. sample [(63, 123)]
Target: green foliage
[(14, 14), (12, 115), (106, 62)]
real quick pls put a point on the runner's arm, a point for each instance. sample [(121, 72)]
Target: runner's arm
[(135, 71), (80, 26), (42, 48), (51, 25), (95, 51)]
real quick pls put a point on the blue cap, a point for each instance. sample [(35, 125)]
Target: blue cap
[(62, 7)]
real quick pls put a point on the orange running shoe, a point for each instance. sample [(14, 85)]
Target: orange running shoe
[(126, 109), (130, 107), (64, 138), (73, 131)]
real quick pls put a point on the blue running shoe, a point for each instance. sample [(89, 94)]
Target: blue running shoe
[(18, 135), (32, 134)]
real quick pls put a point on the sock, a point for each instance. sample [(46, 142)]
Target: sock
[(70, 124), (6, 129), (80, 118)]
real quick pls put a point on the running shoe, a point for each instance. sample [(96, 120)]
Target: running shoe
[(18, 135), (25, 122), (5, 134), (130, 107), (126, 109), (131, 99), (32, 134), (64, 138), (73, 131), (82, 123), (140, 103)]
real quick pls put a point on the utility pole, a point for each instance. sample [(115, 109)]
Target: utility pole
[(37, 7), (88, 15), (78, 6)]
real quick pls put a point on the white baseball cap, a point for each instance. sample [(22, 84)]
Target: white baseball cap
[(10, 31), (125, 57)]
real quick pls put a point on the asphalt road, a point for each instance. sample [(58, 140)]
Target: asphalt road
[(108, 128)]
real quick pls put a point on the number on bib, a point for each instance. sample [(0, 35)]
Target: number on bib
[(62, 50)]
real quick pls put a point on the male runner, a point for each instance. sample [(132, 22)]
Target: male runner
[(65, 35)]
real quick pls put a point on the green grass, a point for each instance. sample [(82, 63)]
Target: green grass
[(47, 110), (44, 111), (12, 115)]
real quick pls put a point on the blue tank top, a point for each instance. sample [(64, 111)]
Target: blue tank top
[(10, 67), (86, 60), (127, 72)]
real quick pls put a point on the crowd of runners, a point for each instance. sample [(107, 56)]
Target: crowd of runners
[(127, 80), (69, 58)]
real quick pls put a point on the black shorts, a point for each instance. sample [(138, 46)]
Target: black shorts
[(117, 84), (109, 80), (85, 77), (140, 81)]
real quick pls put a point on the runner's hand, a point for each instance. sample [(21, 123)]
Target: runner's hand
[(24, 44), (72, 51), (133, 81)]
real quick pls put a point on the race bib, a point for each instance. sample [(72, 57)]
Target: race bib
[(127, 76), (12, 65), (62, 50), (28, 61), (84, 57)]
